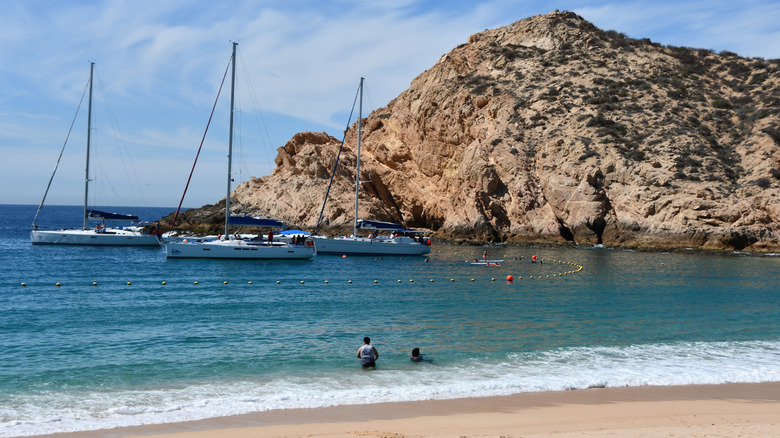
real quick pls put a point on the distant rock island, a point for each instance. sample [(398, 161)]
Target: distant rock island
[(552, 131)]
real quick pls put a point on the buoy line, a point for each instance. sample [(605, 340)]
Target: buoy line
[(576, 268)]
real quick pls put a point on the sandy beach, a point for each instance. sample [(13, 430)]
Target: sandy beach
[(727, 410)]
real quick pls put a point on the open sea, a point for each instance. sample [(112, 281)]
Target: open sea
[(158, 340)]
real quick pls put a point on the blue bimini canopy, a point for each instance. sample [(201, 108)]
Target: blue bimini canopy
[(293, 233), (249, 221)]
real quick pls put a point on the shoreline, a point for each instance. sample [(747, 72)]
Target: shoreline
[(731, 409)]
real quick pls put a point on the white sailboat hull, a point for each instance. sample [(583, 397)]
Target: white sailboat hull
[(237, 249), (399, 246), (111, 237)]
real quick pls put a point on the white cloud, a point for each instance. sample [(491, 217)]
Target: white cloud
[(746, 28)]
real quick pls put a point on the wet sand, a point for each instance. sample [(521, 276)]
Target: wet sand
[(727, 410)]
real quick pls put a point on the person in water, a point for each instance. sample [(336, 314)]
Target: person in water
[(417, 356), (367, 354)]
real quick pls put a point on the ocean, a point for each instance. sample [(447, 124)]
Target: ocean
[(130, 338)]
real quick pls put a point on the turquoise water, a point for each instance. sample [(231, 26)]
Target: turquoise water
[(260, 335)]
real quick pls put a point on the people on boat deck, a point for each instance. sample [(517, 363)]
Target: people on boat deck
[(270, 236), (367, 354)]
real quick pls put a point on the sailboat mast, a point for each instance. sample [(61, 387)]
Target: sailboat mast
[(230, 141), (89, 133), (357, 170)]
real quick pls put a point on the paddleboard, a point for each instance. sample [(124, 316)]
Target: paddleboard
[(489, 263)]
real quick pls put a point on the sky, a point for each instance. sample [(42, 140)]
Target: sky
[(159, 65)]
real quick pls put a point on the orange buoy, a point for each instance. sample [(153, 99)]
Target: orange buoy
[(509, 278)]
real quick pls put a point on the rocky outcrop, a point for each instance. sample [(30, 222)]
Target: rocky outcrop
[(551, 130)]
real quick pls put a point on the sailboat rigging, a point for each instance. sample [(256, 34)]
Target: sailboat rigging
[(226, 247), (374, 244), (100, 235)]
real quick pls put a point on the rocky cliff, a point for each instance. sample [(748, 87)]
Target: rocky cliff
[(552, 130)]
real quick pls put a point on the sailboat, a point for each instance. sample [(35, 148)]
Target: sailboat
[(227, 247), (375, 243), (100, 235)]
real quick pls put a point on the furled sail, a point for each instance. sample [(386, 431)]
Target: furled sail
[(378, 225), (96, 214), (249, 221)]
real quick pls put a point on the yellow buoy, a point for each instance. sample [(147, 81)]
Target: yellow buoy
[(194, 282), (472, 279), (350, 282), (452, 279), (326, 281), (94, 283), (58, 285), (301, 281), (24, 284), (224, 282), (277, 281), (431, 280), (399, 281), (128, 283), (493, 279), (163, 283), (376, 281), (249, 282), (411, 280)]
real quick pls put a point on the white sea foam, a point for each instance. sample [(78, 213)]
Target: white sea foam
[(562, 369)]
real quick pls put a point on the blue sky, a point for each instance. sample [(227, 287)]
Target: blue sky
[(160, 63)]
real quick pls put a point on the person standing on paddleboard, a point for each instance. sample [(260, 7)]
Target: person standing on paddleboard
[(367, 354)]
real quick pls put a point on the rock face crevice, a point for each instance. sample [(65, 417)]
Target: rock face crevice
[(552, 130)]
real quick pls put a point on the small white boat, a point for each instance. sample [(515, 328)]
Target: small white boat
[(100, 235), (230, 247)]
